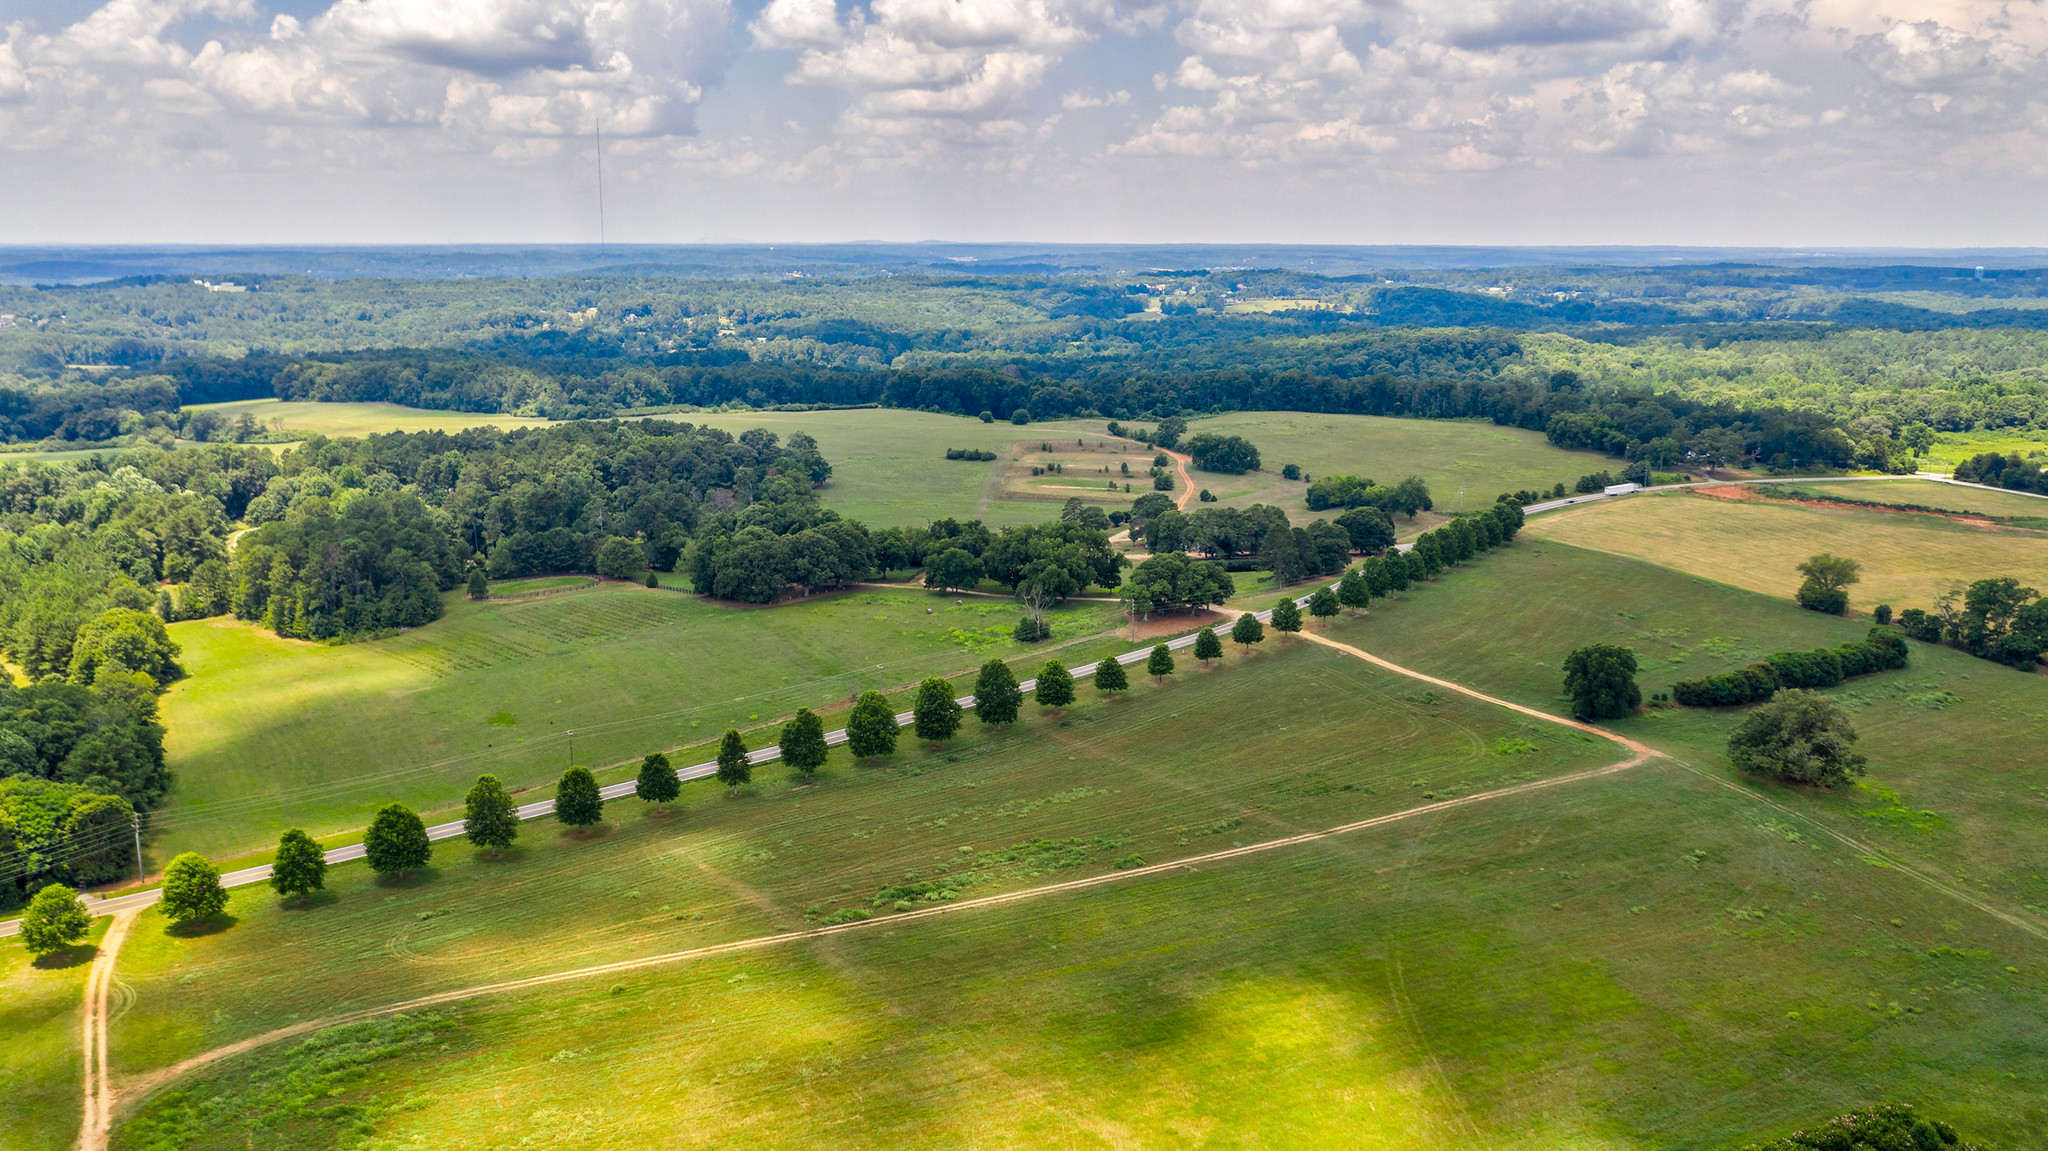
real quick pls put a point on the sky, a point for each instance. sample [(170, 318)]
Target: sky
[(1708, 122)]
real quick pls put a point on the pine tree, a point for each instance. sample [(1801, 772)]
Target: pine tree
[(803, 742), (577, 802), (1055, 687), (1247, 631), (871, 728), (397, 841), (997, 699), (489, 817), (55, 920), (936, 714), (734, 768), (1286, 616), (1352, 590), (657, 783), (192, 889), (300, 867), (1207, 645), (1323, 604), (1159, 664), (1110, 677)]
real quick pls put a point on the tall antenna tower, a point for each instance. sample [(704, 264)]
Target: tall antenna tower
[(600, 178)]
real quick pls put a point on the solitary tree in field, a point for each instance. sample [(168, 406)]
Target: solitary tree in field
[(397, 841), (1159, 664), (803, 742), (996, 697), (657, 783), (1799, 737), (1207, 645), (936, 714), (1247, 631), (55, 920), (489, 817), (1055, 685), (192, 889), (1826, 587), (300, 867), (1601, 679), (1286, 617), (479, 588), (734, 768), (1110, 677), (871, 728), (1323, 604), (577, 802)]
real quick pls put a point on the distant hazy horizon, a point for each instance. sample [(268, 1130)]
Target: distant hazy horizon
[(1797, 123)]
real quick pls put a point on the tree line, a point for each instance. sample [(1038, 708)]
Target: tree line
[(1881, 650)]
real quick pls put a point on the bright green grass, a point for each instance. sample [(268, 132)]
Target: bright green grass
[(41, 1057), (1952, 448), (1114, 774), (1649, 960), (1951, 735), (267, 733), (1484, 458)]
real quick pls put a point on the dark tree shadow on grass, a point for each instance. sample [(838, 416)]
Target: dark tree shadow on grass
[(513, 854), (197, 928), (595, 831), (416, 878), (77, 955), (311, 901)]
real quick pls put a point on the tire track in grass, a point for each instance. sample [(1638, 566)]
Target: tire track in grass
[(98, 1114)]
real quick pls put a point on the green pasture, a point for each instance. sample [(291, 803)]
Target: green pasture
[(1908, 560), (360, 419), (266, 733), (1645, 960), (513, 587), (1956, 786), (1483, 458), (42, 1059), (1952, 448)]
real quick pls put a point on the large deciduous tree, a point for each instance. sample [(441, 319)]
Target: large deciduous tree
[(657, 782), (577, 801), (935, 716), (192, 889), (871, 727), (1601, 679), (1110, 676), (54, 921), (1247, 631), (397, 841), (997, 699), (1826, 586), (489, 817), (1208, 645), (1323, 604), (1055, 687), (803, 742), (734, 768), (1159, 664), (300, 867), (1799, 737), (1286, 617)]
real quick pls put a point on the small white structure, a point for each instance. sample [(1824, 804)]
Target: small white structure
[(1623, 489)]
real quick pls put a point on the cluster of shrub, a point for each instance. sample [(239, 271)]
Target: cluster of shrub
[(1405, 498), (969, 454), (1998, 470), (1996, 619), (1882, 650), (1881, 1127)]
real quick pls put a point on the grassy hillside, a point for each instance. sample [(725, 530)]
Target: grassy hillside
[(1642, 960), (41, 1062), (1756, 544), (361, 419), (267, 733)]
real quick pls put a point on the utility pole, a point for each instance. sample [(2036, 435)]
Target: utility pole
[(136, 821), (572, 749)]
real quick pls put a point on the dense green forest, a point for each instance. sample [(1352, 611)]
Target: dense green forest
[(1797, 365)]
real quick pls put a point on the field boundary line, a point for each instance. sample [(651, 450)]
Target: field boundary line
[(143, 1086)]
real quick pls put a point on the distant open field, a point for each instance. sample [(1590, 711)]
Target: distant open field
[(890, 466), (1927, 494), (1648, 960), (361, 419), (1756, 544), (266, 732)]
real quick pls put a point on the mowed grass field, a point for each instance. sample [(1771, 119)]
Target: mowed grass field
[(267, 733), (361, 419), (42, 1058), (1928, 494), (1647, 959), (1908, 560)]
